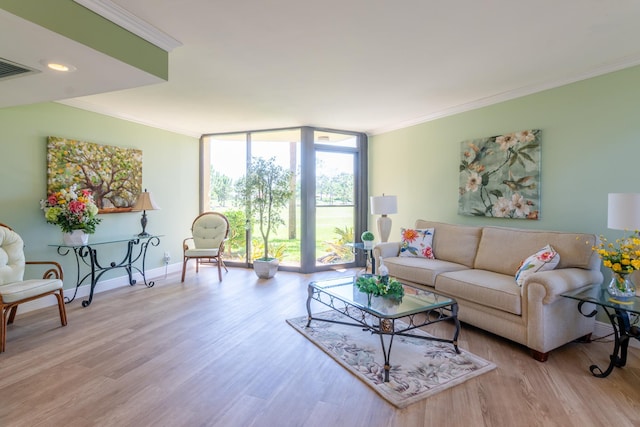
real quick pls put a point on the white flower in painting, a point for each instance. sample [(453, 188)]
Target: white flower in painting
[(525, 136), (520, 205), (473, 182), (502, 208), (507, 141)]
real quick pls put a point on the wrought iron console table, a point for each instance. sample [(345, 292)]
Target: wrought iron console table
[(88, 255)]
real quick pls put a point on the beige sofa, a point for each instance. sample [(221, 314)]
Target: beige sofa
[(477, 265)]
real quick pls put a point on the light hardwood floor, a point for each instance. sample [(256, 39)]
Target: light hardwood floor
[(205, 353)]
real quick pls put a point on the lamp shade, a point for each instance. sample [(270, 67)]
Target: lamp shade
[(384, 205), (145, 203), (624, 211)]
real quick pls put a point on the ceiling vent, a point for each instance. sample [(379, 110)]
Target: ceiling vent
[(10, 69)]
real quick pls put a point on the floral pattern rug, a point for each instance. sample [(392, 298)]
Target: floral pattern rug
[(419, 368)]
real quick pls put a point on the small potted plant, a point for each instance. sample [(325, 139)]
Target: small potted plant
[(367, 239)]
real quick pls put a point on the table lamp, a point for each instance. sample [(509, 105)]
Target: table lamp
[(383, 206), (624, 211), (144, 203)]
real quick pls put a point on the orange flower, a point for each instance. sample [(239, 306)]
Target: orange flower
[(409, 235)]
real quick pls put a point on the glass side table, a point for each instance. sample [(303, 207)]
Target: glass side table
[(618, 314), (368, 253)]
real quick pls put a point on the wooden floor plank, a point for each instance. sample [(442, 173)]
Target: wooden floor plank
[(210, 353)]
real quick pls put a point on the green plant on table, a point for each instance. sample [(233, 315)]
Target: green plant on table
[(380, 287)]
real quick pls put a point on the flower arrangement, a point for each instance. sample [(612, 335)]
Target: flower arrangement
[(623, 256), (380, 286), (71, 210)]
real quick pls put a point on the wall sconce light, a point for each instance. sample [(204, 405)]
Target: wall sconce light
[(144, 203)]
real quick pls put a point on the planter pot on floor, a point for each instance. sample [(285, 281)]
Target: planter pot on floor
[(266, 269)]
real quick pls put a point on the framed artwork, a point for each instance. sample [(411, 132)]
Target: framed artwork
[(113, 174), (500, 176)]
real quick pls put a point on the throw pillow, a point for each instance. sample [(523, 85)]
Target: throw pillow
[(417, 243), (545, 259)]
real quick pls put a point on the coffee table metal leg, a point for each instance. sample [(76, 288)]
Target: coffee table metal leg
[(386, 327), (386, 352), (454, 314), (310, 292)]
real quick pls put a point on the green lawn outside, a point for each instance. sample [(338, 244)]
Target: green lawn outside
[(327, 220)]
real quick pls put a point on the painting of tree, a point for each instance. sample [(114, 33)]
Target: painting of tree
[(113, 174)]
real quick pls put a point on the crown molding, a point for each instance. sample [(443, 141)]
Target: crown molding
[(510, 95), (130, 22)]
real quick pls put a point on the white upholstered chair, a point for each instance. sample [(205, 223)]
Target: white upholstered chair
[(209, 232), (14, 290)]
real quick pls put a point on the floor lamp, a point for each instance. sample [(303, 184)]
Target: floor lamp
[(383, 206)]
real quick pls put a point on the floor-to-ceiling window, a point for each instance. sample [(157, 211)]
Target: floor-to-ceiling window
[(327, 209)]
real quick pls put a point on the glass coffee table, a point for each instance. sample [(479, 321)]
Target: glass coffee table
[(417, 308), (618, 314)]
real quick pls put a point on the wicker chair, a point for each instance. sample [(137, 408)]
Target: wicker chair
[(14, 290), (209, 233)]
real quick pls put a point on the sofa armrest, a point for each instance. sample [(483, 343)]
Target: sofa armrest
[(556, 282), (386, 250)]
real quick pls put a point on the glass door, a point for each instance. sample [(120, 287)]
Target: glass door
[(335, 207)]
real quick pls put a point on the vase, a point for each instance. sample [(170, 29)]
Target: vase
[(75, 238), (621, 287)]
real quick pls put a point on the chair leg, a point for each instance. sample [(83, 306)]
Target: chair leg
[(61, 308), (12, 314), (3, 328), (219, 269), (184, 267)]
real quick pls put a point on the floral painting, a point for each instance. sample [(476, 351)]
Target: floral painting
[(112, 174), (500, 176)]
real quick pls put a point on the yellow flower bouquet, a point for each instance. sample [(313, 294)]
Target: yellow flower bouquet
[(623, 258)]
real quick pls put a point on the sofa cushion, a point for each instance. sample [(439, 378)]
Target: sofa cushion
[(503, 249), (545, 259), (454, 243), (415, 242), (483, 287), (419, 270)]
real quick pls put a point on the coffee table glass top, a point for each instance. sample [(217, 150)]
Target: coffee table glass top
[(414, 301), (599, 295)]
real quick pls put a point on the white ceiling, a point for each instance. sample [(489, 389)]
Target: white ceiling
[(360, 65)]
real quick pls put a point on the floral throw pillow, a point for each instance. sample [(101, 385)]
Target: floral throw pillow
[(545, 259), (417, 243)]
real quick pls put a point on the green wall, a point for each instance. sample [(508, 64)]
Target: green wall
[(590, 147), (170, 173)]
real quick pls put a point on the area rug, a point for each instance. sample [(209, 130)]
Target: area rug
[(419, 368)]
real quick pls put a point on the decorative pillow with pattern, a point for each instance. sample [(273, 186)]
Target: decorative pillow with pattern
[(545, 259), (417, 243)]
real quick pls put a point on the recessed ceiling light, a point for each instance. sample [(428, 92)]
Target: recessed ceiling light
[(58, 66)]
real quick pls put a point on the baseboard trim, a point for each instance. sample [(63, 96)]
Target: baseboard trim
[(154, 275)]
